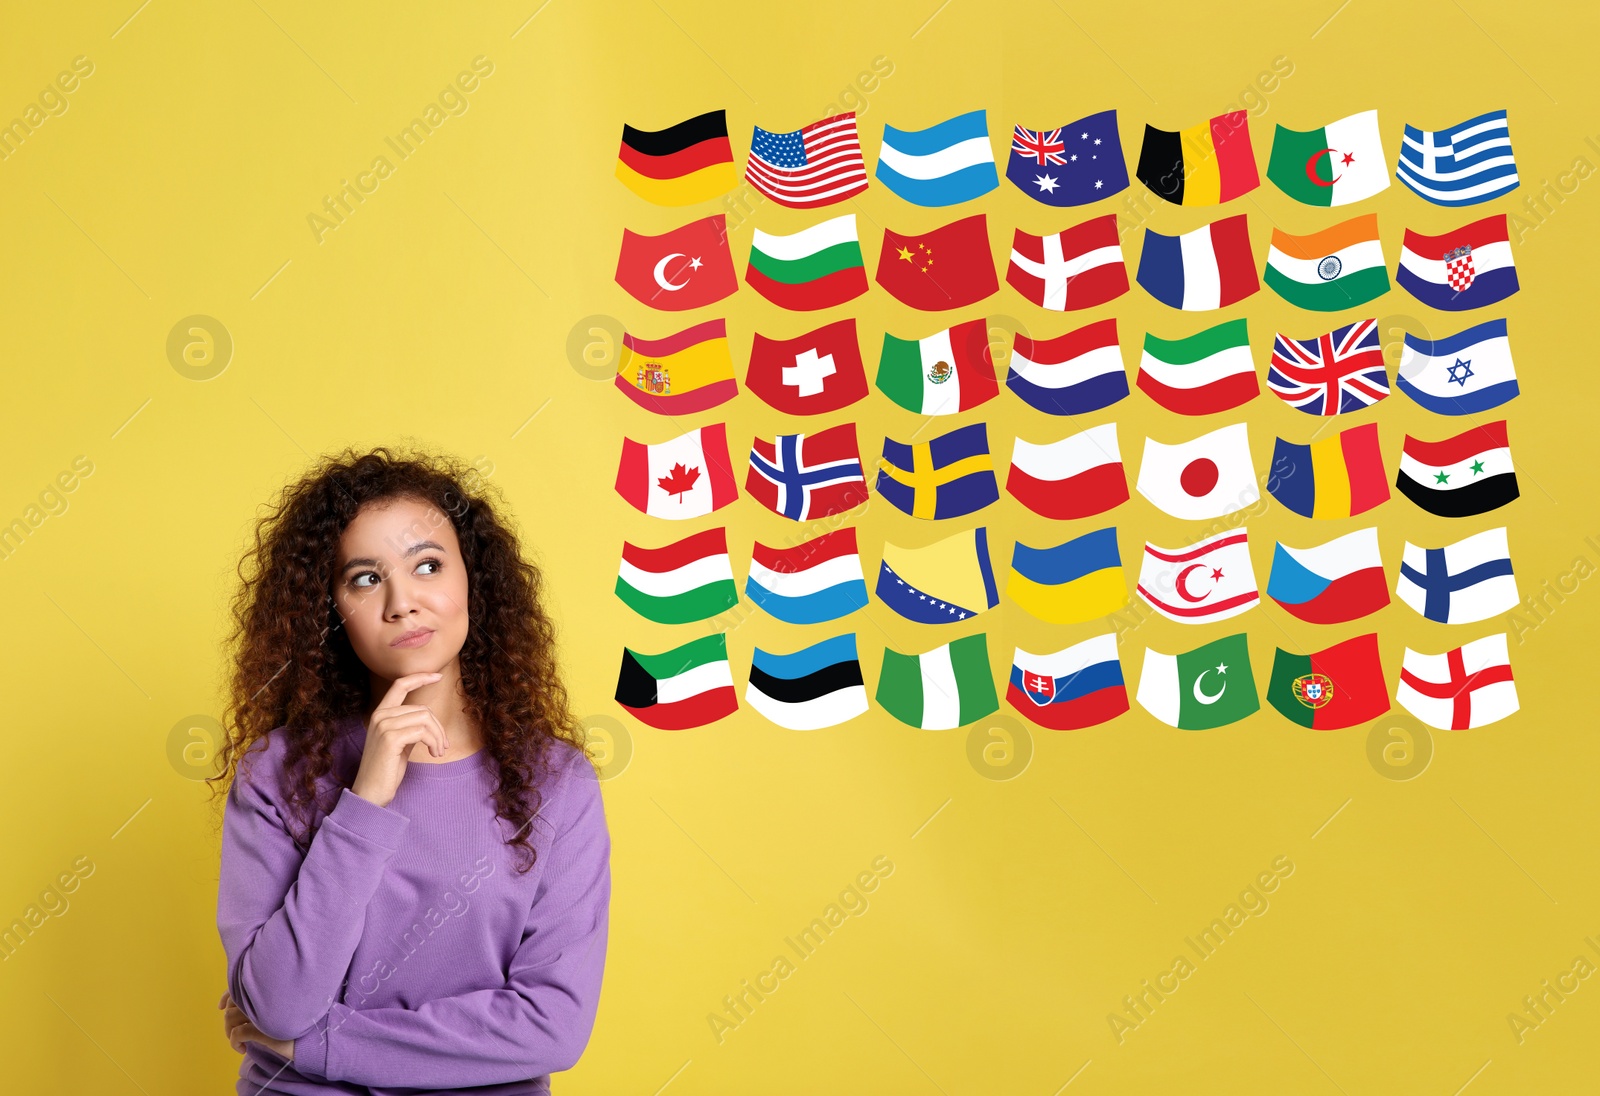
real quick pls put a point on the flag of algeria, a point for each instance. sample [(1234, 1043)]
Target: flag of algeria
[(1207, 687), (1333, 166)]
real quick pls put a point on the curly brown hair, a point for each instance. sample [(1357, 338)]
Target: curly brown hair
[(294, 667)]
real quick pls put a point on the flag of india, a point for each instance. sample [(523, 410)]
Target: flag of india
[(1333, 166), (945, 688), (1339, 267)]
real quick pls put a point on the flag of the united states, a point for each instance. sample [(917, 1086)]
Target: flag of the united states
[(815, 166)]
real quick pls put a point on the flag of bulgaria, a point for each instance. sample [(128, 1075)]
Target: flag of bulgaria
[(941, 374), (1339, 267), (1208, 687), (1333, 166), (947, 687)]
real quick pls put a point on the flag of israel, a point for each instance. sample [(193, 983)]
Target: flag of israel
[(1462, 165), (1460, 375)]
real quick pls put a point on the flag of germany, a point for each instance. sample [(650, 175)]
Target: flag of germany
[(679, 165), (1203, 165)]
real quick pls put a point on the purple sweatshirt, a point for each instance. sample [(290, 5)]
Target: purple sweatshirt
[(403, 953)]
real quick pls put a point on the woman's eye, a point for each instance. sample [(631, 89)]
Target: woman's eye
[(431, 563), (358, 584)]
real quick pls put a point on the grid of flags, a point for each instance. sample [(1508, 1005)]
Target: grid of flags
[(939, 363)]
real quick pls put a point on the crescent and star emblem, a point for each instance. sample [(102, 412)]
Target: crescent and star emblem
[(1311, 166), (1183, 591), (1204, 697), (661, 270)]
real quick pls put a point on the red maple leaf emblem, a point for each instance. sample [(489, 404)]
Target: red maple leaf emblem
[(679, 480)]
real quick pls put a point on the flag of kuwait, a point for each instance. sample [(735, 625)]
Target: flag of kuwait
[(816, 581), (1080, 267), (1210, 580), (818, 267), (1333, 166), (1073, 374), (1208, 687), (682, 582), (1467, 268), (1204, 478), (1076, 477), (1468, 687), (1339, 267), (819, 686), (687, 477), (1208, 268), (945, 373), (945, 688), (1330, 583), (1325, 690), (1462, 374), (688, 686), (1468, 474), (1077, 686), (1203, 374)]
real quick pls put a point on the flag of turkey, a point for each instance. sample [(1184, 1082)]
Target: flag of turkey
[(687, 268)]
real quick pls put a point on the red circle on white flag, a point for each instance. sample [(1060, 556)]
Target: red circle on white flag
[(1198, 477)]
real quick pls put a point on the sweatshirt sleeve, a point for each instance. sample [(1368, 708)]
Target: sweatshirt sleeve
[(538, 1023), (289, 922)]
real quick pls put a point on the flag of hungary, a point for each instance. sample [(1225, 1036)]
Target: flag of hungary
[(1333, 166), (941, 374), (947, 687), (1211, 686), (1339, 267)]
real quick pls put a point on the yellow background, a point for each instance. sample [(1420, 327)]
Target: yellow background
[(178, 181)]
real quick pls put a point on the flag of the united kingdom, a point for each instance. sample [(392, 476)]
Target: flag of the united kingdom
[(1333, 374)]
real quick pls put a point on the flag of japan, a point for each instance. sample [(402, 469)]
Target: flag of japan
[(1468, 687), (1078, 268), (1204, 478)]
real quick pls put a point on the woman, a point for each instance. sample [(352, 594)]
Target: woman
[(415, 882)]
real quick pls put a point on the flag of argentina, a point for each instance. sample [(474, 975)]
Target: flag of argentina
[(1461, 375), (1461, 583), (1462, 165), (946, 164)]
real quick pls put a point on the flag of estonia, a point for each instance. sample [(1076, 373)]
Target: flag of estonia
[(1467, 268), (1325, 690), (679, 583), (1468, 474), (688, 686), (946, 373), (819, 686), (1077, 686), (1208, 687), (939, 690), (1339, 267)]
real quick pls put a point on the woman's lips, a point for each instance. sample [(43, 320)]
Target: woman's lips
[(414, 639)]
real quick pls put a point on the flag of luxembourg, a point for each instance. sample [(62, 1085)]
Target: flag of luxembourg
[(943, 165), (1467, 268), (1461, 583), (1208, 268), (1461, 375)]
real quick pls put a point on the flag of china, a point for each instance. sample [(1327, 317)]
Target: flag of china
[(949, 267), (686, 268)]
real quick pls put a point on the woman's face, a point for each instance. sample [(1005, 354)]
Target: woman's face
[(398, 572)]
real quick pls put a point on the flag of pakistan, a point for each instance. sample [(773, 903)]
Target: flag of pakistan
[(1208, 687)]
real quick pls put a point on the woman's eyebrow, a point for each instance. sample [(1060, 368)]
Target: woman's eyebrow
[(421, 545)]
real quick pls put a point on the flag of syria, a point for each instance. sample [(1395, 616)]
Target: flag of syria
[(686, 268)]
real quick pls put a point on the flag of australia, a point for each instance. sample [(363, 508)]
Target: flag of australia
[(1071, 166)]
